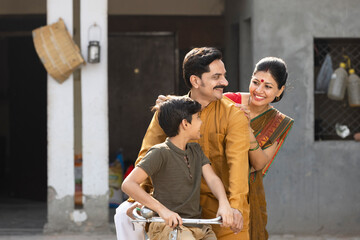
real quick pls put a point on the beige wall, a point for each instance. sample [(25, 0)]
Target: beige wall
[(127, 7), (166, 7), (22, 7)]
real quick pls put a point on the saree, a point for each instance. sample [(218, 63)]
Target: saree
[(269, 127)]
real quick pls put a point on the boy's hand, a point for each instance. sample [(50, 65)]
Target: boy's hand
[(226, 213), (238, 221), (171, 218)]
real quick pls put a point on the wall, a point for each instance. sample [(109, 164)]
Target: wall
[(238, 52), (312, 188), (166, 7), (127, 7), (22, 7)]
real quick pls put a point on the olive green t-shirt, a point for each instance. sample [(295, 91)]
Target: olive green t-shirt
[(176, 176)]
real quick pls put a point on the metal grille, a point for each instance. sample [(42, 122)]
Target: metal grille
[(329, 112)]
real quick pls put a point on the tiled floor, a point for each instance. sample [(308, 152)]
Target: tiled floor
[(26, 217), (22, 216), (24, 220)]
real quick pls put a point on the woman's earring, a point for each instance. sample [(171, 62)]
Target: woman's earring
[(277, 98)]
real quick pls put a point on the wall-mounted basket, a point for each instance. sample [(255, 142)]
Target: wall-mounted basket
[(57, 50)]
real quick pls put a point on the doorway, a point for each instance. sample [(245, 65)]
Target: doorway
[(23, 130), (141, 66)]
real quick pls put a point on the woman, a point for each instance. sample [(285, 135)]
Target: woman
[(268, 130)]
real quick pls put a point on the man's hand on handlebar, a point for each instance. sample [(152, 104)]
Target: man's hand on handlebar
[(238, 222), (129, 212)]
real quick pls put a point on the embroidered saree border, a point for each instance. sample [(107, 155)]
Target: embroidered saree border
[(270, 126)]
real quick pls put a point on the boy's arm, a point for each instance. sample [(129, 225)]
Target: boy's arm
[(131, 186), (217, 188)]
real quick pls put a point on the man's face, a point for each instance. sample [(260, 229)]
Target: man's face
[(213, 83)]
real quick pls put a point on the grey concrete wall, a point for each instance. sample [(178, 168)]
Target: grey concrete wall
[(313, 187), (238, 41)]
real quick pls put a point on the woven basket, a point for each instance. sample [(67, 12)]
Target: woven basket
[(57, 51)]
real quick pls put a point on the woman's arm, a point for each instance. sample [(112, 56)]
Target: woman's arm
[(131, 186), (259, 157)]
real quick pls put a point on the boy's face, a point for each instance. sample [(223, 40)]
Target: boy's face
[(194, 129)]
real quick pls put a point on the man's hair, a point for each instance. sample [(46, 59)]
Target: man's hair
[(173, 111), (197, 61)]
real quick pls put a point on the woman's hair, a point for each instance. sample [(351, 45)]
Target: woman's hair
[(197, 61), (173, 111), (278, 70)]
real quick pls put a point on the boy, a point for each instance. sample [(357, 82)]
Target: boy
[(175, 168)]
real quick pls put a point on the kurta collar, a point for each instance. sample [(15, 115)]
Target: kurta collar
[(207, 106)]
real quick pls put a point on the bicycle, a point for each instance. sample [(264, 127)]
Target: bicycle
[(147, 216)]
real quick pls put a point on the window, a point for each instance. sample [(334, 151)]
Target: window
[(328, 112)]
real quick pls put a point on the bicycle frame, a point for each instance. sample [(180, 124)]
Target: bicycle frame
[(173, 234)]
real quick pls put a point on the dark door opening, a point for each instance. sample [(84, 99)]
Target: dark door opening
[(141, 66), (26, 167), (23, 134)]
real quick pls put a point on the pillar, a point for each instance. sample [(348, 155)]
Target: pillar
[(94, 95), (60, 130)]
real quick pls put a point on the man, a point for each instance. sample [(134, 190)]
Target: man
[(176, 167), (224, 140)]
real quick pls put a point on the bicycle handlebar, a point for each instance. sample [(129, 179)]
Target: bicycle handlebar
[(139, 218)]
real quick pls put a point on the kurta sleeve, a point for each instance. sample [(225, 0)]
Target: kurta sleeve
[(237, 147)]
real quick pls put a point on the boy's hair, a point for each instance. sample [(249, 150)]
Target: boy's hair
[(173, 111), (197, 61)]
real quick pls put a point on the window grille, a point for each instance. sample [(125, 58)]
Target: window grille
[(329, 112)]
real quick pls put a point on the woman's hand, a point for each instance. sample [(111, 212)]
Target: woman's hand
[(244, 108)]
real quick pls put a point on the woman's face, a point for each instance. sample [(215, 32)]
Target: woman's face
[(263, 88)]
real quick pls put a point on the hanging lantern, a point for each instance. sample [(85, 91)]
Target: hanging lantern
[(94, 44)]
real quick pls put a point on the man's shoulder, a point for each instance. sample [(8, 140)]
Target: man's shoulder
[(226, 102), (228, 107)]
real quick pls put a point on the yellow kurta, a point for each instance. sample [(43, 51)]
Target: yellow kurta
[(225, 141)]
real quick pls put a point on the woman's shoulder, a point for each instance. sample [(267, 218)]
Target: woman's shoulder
[(282, 115), (238, 97)]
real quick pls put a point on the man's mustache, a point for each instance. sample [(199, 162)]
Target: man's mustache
[(220, 86)]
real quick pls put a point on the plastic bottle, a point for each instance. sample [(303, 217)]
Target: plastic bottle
[(338, 82), (353, 89)]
